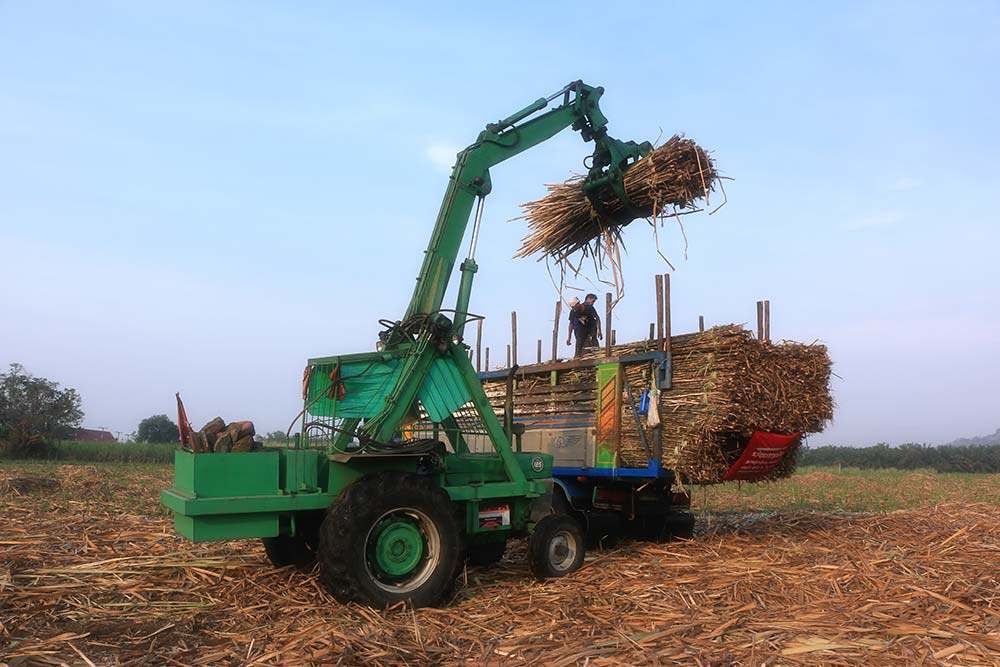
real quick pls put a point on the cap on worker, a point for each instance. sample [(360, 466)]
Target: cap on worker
[(574, 301)]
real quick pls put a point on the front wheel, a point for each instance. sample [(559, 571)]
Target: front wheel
[(390, 538), (556, 547)]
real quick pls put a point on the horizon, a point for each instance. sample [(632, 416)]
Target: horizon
[(198, 199)]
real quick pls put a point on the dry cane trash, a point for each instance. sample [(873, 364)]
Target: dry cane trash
[(97, 571)]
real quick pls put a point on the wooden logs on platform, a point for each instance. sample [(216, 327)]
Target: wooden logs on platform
[(218, 437)]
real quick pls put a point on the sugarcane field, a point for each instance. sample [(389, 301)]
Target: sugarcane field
[(564, 335)]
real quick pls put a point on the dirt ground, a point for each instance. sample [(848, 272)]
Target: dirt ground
[(92, 574)]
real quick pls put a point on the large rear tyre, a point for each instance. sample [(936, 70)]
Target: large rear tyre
[(556, 547), (390, 538)]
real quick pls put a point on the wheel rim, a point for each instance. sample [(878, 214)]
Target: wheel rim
[(402, 550), (562, 550)]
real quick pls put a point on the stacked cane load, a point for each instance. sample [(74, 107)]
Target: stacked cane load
[(725, 385), (218, 437)]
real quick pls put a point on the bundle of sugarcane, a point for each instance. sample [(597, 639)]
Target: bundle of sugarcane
[(673, 177), (726, 385), (709, 371), (219, 437)]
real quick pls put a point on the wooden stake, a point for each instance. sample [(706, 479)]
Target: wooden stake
[(767, 320), (652, 330), (666, 313), (760, 320), (701, 323), (538, 356), (607, 324), (479, 346), (508, 356), (513, 337), (487, 358), (614, 336), (555, 331)]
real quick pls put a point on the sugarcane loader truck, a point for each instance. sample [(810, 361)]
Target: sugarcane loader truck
[(380, 485)]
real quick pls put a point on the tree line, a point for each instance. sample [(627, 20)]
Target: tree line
[(943, 458), (36, 412)]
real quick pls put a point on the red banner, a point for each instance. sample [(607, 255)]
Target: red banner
[(762, 455), (183, 425)]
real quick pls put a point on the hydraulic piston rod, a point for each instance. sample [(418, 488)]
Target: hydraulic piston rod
[(468, 268)]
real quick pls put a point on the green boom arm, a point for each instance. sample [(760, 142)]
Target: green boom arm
[(470, 179)]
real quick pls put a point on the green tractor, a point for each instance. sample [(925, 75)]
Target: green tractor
[(381, 486)]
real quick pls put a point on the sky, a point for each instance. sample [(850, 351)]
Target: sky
[(198, 197)]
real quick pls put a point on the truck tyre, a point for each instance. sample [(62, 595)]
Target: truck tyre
[(486, 554), (390, 538), (556, 547)]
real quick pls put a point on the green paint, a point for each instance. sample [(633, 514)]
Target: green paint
[(367, 379), (345, 470), (399, 547), (230, 496), (223, 475), (468, 269), (226, 526), (485, 469), (444, 390)]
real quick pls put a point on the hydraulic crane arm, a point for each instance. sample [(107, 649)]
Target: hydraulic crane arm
[(470, 179), (470, 182)]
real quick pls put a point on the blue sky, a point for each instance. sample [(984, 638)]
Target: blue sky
[(198, 197)]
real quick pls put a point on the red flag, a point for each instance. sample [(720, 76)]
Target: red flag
[(183, 425)]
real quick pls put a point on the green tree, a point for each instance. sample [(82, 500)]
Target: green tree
[(34, 411), (275, 436), (158, 428)]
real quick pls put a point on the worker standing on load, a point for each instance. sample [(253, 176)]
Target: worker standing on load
[(575, 313), (591, 322), (584, 323)]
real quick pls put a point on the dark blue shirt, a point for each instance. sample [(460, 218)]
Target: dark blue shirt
[(583, 317)]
